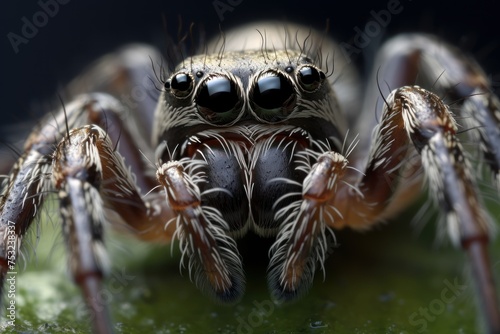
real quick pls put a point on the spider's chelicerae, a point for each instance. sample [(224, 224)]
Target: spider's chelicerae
[(258, 133)]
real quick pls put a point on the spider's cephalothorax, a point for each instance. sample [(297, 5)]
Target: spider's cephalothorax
[(256, 138)]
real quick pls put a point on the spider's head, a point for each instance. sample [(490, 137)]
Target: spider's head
[(258, 87)]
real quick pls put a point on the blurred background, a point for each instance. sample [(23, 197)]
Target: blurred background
[(80, 31)]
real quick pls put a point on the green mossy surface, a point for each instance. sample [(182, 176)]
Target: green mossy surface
[(376, 282)]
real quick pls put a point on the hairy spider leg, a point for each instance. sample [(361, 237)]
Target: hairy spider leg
[(414, 119), (87, 185), (447, 71), (89, 175)]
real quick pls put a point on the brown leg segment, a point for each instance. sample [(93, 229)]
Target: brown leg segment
[(424, 60), (90, 176), (88, 171), (88, 156), (416, 115), (415, 59), (22, 195), (413, 120)]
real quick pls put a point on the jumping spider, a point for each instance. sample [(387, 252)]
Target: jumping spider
[(259, 136)]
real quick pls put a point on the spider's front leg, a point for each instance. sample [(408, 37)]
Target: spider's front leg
[(433, 64), (413, 118), (94, 186), (24, 191), (428, 123)]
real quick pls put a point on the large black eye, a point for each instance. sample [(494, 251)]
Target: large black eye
[(273, 96), (218, 100), (310, 78), (181, 85)]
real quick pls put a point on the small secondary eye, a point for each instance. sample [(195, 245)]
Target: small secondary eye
[(181, 85), (273, 96), (310, 78), (218, 100)]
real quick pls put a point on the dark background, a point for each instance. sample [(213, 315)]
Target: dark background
[(83, 30)]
